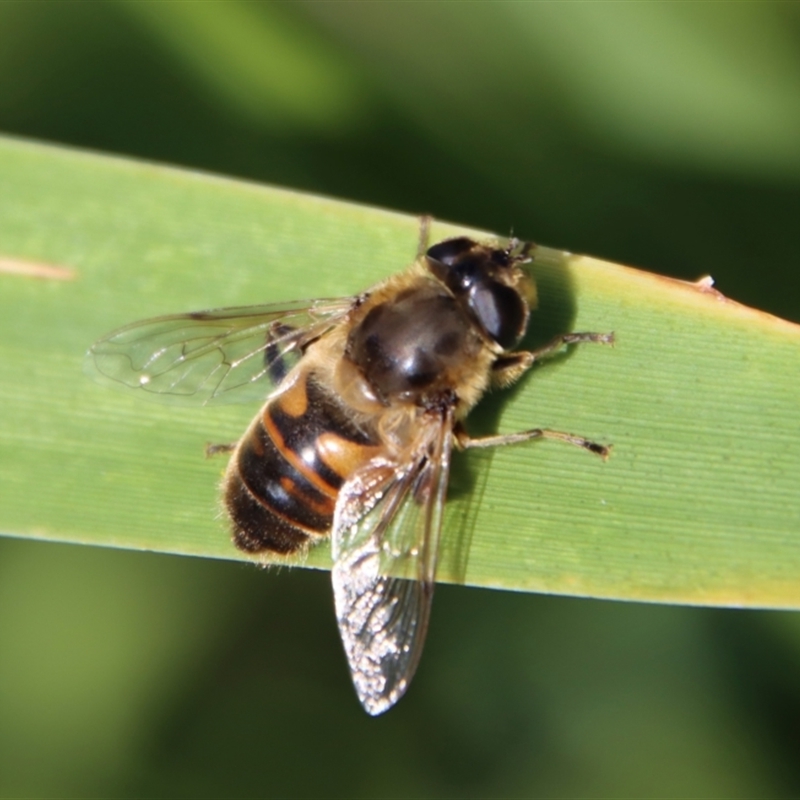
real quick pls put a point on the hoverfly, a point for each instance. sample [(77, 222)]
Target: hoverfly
[(365, 400)]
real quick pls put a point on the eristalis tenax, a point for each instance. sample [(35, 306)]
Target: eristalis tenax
[(366, 397)]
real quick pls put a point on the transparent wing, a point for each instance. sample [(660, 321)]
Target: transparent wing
[(385, 544), (219, 356)]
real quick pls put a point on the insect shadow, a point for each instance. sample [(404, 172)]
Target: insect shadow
[(555, 313)]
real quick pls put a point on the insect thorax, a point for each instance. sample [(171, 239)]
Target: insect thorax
[(415, 345)]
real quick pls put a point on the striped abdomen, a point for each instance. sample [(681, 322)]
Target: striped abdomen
[(286, 473)]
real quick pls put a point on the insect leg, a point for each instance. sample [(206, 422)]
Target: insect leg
[(216, 449), (424, 234), (274, 360), (510, 366), (466, 441)]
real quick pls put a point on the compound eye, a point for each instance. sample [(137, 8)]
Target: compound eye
[(450, 250), (500, 310), (463, 275), (457, 265)]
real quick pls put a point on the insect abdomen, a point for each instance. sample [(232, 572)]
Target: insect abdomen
[(286, 473)]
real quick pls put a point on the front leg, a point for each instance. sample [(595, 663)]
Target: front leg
[(510, 366), (465, 441)]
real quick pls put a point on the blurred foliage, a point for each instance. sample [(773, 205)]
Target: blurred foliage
[(665, 135)]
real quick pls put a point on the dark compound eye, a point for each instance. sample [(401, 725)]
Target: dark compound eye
[(450, 250), (500, 310), (472, 273), (464, 273)]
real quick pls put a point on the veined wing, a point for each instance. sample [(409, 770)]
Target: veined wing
[(219, 356), (385, 565)]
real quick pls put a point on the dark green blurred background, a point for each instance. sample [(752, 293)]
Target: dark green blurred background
[(664, 135)]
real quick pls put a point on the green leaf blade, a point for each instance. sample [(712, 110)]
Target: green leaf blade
[(698, 502)]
